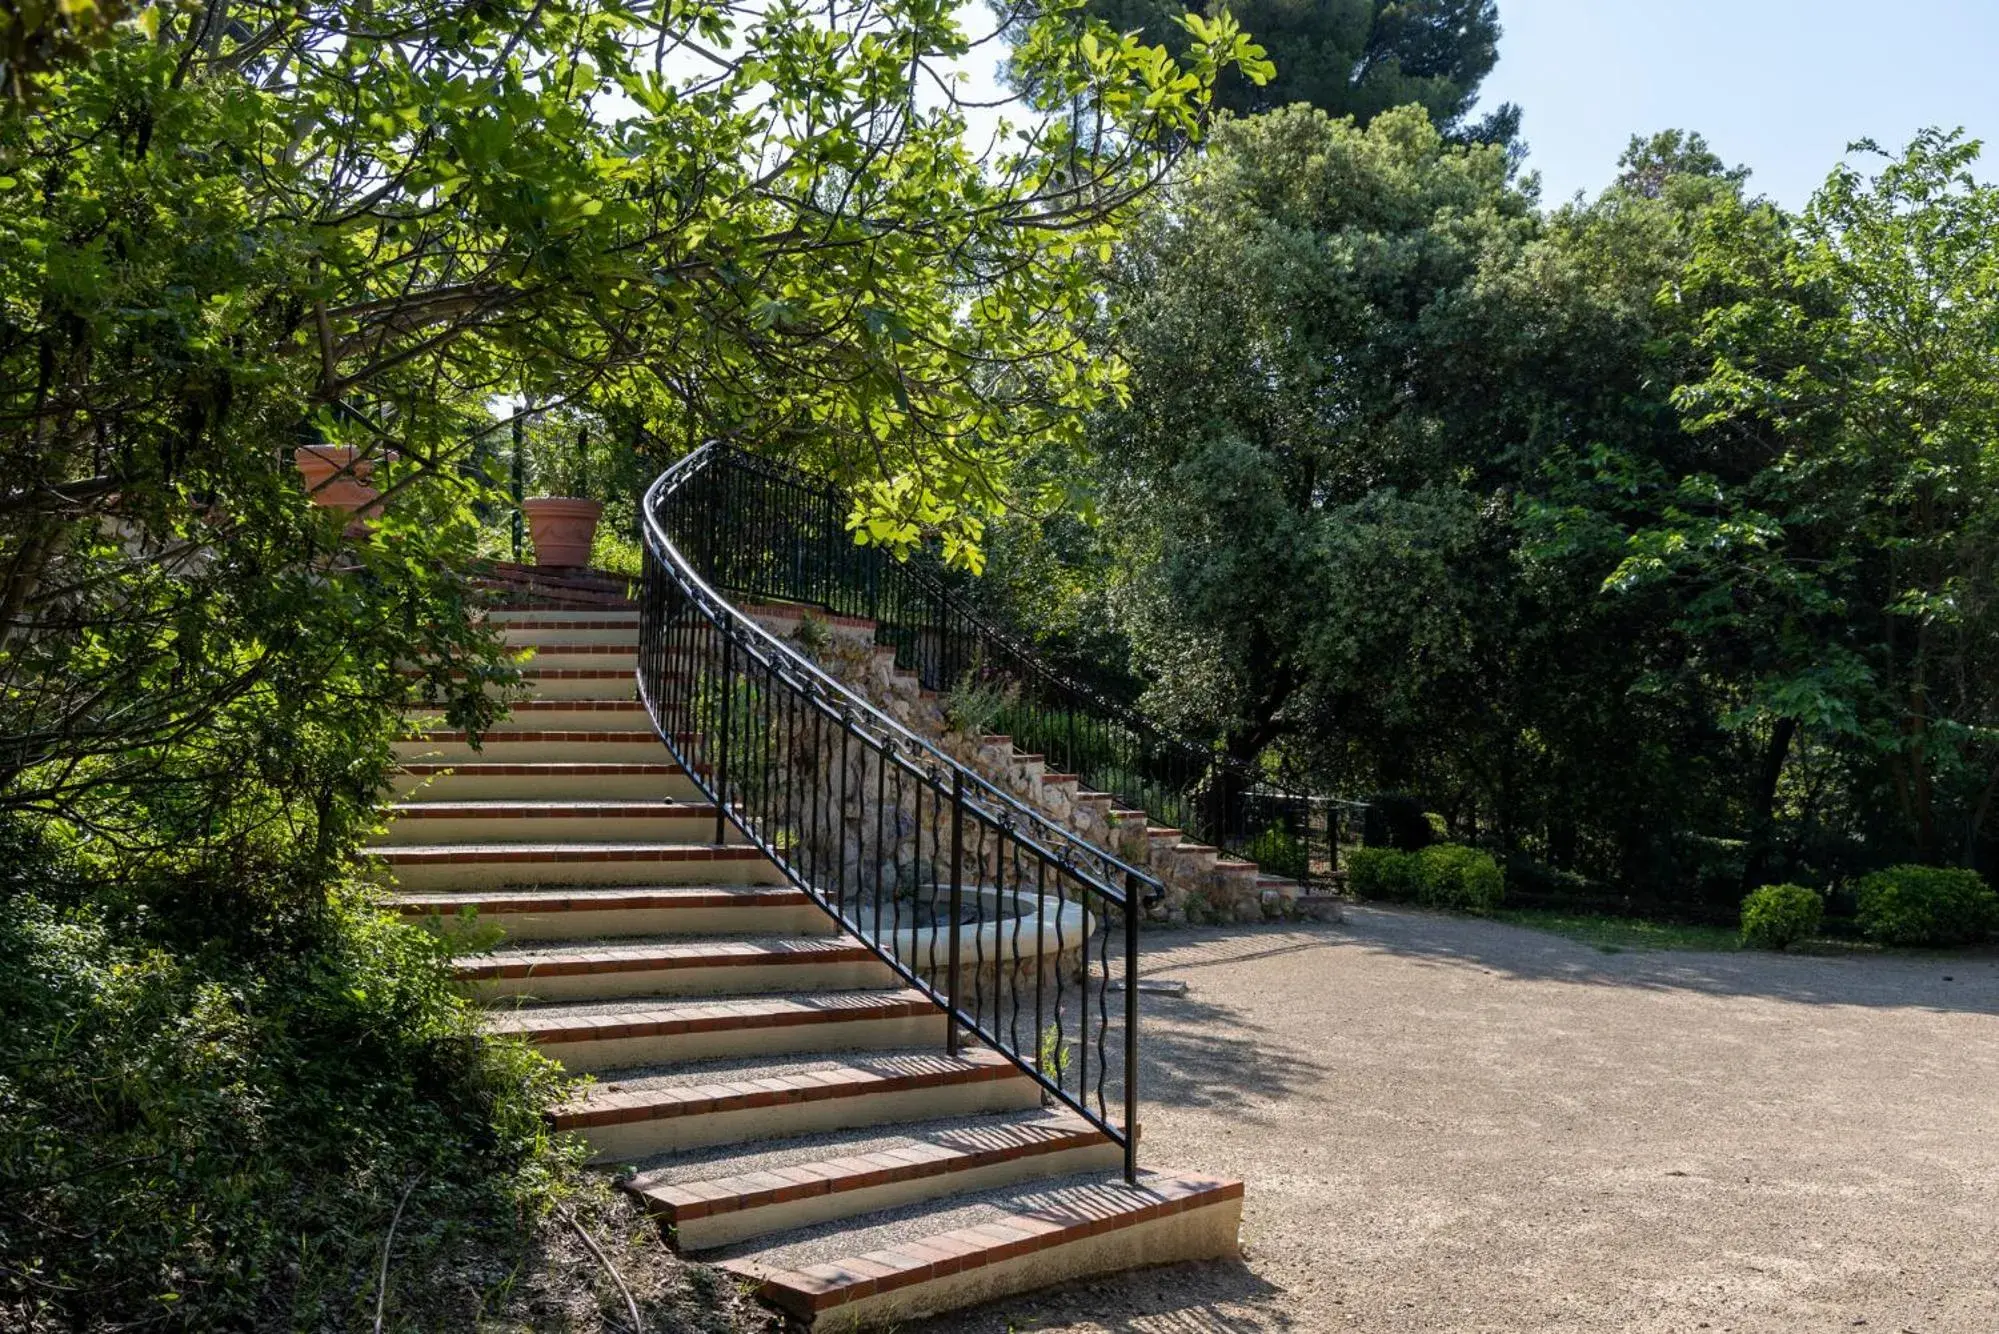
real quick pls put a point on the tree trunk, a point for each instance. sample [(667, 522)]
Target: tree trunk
[(1763, 803)]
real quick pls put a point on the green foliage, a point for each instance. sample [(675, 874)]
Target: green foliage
[(1845, 501), (1382, 875), (1776, 917), (1444, 875), (214, 1136), (974, 703), (1458, 878), (1278, 851), (1354, 58), (1926, 905), (812, 633)]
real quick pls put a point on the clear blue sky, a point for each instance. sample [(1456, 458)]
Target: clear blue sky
[(1780, 86)]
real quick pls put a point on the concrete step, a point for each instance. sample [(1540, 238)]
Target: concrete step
[(430, 823), (610, 1035), (495, 778), (598, 970), (606, 913), (574, 654), (570, 715), (626, 614), (478, 866), (631, 1117), (947, 1254), (563, 628), (723, 1197), (579, 683), (568, 745)]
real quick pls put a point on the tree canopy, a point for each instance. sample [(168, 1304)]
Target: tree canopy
[(1354, 58), (1645, 539)]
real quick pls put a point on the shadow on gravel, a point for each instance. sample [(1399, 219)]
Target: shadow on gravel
[(1200, 1054), (1960, 981), (1219, 1297)]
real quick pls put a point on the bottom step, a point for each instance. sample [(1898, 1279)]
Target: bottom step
[(984, 1248)]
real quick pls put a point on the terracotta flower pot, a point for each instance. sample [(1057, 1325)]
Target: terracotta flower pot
[(322, 467), (563, 528)]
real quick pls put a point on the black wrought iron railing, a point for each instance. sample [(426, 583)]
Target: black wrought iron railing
[(778, 534), (1026, 934)]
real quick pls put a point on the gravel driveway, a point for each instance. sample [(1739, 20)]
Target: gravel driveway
[(1455, 1125)]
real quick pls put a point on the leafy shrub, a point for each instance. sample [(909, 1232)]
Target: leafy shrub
[(212, 1133), (1778, 916), (1926, 905), (1278, 851), (1396, 820), (973, 703), (1382, 875), (1449, 875)]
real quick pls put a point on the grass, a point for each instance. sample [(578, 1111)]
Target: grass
[(1614, 935)]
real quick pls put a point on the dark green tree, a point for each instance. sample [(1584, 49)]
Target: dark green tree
[(1350, 57)]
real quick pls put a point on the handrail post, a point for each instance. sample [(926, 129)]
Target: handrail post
[(957, 904), (728, 687), (1131, 900)]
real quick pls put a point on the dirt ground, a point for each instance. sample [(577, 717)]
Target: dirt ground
[(1448, 1124)]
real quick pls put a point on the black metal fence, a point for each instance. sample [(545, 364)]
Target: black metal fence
[(775, 533), (1025, 933)]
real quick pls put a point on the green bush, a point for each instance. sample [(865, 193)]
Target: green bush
[(1382, 875), (1778, 916), (1449, 875), (211, 1130), (1277, 851), (1926, 905)]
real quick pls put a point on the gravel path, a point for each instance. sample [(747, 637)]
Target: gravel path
[(1454, 1125)]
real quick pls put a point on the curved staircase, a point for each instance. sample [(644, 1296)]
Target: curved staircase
[(784, 1101)]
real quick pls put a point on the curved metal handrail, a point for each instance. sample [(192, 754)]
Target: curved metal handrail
[(877, 825), (1111, 867), (1217, 797)]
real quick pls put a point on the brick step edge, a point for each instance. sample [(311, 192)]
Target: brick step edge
[(614, 900), (809, 1293), (609, 1105), (711, 1016), (683, 1202), (599, 960), (515, 854)]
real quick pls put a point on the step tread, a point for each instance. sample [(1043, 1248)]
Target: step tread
[(827, 1266), (717, 1183), (742, 1083), (544, 768), (408, 854), (658, 1016), (504, 808), (606, 735), (613, 898), (577, 705), (587, 957), (579, 648)]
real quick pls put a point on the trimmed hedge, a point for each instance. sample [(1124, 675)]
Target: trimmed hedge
[(1449, 875), (1926, 905), (1382, 875), (1444, 875), (1778, 916)]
